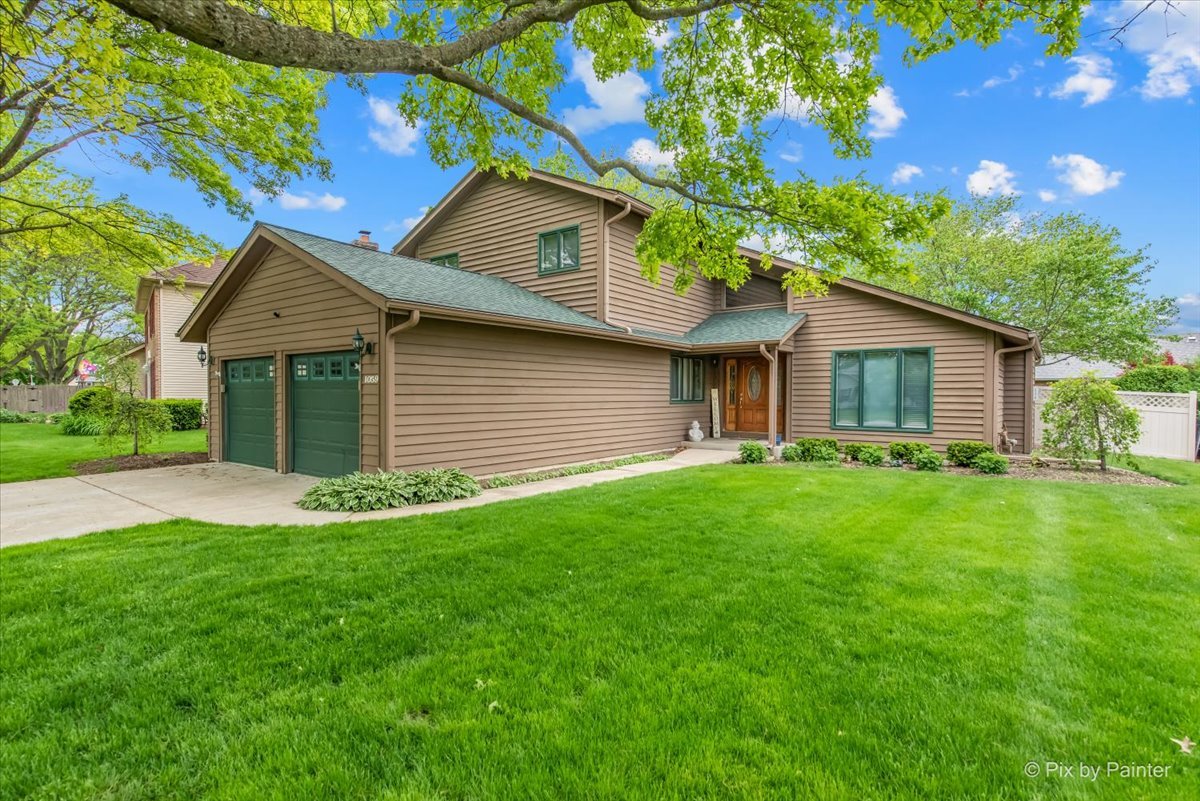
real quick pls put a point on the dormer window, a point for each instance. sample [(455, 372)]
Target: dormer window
[(558, 250)]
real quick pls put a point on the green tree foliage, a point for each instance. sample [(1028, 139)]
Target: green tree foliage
[(79, 71), (132, 422), (1160, 378), (1065, 276), (1085, 419), (734, 75)]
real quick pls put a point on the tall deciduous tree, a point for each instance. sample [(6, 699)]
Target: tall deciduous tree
[(1065, 276), (731, 73)]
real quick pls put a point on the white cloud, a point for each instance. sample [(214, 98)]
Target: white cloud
[(646, 151), (1014, 72), (1047, 195), (1092, 79), (1083, 175), (905, 172), (407, 224), (1190, 299), (308, 201), (792, 152), (992, 178), (391, 132), (885, 114), (1169, 42), (660, 39), (620, 99)]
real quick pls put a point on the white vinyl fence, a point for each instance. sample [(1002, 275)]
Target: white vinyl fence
[(1168, 422)]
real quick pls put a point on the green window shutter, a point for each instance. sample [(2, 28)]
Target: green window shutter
[(880, 374), (915, 393), (846, 389)]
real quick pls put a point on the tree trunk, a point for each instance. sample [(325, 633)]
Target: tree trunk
[(1103, 448)]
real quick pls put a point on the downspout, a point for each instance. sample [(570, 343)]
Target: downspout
[(773, 389), (1028, 398), (603, 300), (389, 388)]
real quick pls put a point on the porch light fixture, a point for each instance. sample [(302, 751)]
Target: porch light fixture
[(202, 356), (361, 346)]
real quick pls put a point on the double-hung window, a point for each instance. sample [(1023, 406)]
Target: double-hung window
[(687, 379), (889, 390), (558, 250)]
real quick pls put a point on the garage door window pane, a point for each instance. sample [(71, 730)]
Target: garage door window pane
[(301, 368), (260, 371), (335, 367), (318, 368), (247, 372), (353, 367)]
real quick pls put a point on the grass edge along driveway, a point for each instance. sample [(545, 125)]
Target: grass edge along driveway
[(726, 631), (29, 451)]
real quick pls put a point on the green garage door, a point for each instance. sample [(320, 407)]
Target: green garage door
[(250, 412), (325, 414)]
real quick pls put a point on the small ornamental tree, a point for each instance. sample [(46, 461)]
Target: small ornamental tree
[(1085, 418), (131, 419)]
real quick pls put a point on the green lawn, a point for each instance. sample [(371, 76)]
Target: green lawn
[(723, 632), (38, 450)]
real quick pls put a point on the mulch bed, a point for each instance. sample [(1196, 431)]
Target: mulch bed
[(1021, 469), (142, 461)]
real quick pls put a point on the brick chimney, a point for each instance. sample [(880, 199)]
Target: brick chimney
[(364, 241)]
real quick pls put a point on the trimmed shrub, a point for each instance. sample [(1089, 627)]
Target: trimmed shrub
[(963, 452), (928, 460), (81, 425), (94, 401), (10, 416), (853, 449), (791, 453), (990, 462), (816, 449), (907, 451), (870, 455), (440, 484), (752, 452), (357, 492), (1160, 378), (187, 414)]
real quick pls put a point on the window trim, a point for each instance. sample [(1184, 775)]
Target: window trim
[(703, 379), (861, 353), (456, 265), (542, 235)]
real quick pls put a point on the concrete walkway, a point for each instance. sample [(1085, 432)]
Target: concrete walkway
[(56, 508)]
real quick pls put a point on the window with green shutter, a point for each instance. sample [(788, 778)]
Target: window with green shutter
[(888, 390), (558, 250), (687, 379)]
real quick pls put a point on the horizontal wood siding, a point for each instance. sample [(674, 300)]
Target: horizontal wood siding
[(180, 374), (847, 320), (492, 399), (315, 314), (634, 301), (1015, 395), (757, 291), (495, 231)]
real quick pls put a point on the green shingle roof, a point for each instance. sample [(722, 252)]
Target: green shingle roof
[(751, 325), (408, 280)]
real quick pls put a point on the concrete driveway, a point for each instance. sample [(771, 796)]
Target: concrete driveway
[(56, 508)]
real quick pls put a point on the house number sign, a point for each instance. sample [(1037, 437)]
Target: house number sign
[(370, 379)]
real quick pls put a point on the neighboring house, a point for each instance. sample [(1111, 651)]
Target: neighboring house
[(165, 299), (512, 329), (1184, 350)]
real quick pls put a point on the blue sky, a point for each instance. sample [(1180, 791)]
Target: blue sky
[(1113, 133)]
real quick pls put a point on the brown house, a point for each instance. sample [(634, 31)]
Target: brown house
[(512, 329)]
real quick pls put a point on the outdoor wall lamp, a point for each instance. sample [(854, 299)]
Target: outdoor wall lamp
[(202, 356), (361, 346)]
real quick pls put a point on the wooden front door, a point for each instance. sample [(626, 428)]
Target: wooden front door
[(747, 383)]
